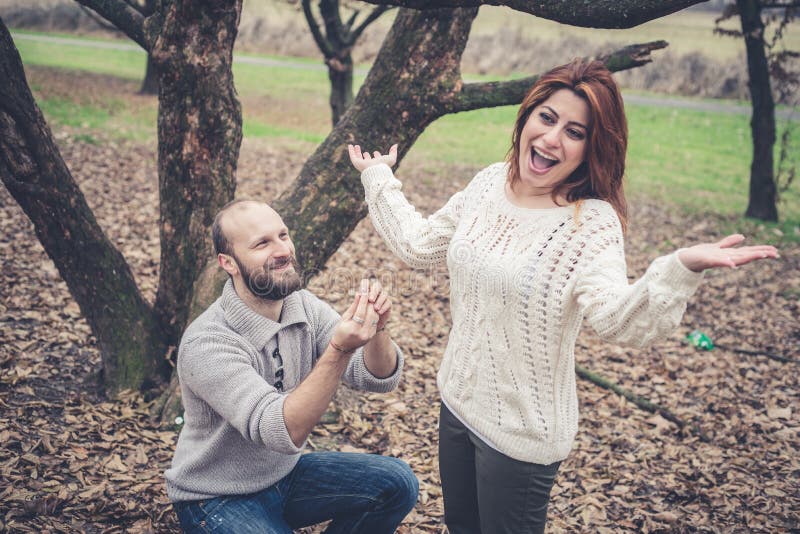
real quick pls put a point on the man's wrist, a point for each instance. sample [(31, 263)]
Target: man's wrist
[(340, 349)]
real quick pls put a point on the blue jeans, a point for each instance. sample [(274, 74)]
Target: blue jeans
[(360, 493)]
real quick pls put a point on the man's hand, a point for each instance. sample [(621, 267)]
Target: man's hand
[(361, 320), (305, 405), (362, 160), (723, 254)]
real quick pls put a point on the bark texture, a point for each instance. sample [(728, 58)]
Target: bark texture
[(199, 136), (585, 13), (762, 203), (131, 341)]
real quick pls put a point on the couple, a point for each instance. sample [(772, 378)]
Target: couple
[(533, 247)]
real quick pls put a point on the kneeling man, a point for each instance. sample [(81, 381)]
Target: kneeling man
[(257, 370)]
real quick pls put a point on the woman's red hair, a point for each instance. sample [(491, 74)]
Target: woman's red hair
[(600, 174)]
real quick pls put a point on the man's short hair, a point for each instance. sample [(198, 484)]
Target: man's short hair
[(220, 240)]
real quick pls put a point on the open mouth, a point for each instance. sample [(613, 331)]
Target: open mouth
[(281, 265), (541, 161)]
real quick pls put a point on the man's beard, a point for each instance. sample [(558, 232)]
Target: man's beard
[(264, 284)]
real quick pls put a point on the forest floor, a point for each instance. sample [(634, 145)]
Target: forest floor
[(74, 461)]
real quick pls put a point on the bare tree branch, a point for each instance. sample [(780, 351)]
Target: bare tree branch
[(492, 94), (313, 25), (119, 13), (377, 12), (100, 21), (641, 402), (594, 14), (352, 20)]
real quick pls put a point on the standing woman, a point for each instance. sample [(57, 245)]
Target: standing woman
[(533, 246)]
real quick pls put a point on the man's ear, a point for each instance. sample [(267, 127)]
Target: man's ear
[(228, 264)]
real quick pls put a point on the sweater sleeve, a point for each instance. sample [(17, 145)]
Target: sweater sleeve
[(356, 375), (418, 241), (220, 372), (634, 314)]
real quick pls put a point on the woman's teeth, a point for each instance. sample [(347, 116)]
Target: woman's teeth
[(540, 161)]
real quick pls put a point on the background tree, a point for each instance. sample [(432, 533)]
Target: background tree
[(764, 61), (336, 39), (146, 8), (416, 74)]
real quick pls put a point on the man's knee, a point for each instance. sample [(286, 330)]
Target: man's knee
[(403, 481)]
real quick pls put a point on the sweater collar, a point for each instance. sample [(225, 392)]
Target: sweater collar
[(254, 326)]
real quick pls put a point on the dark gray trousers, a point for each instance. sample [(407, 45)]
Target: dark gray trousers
[(485, 491)]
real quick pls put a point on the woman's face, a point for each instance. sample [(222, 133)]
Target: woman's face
[(553, 141)]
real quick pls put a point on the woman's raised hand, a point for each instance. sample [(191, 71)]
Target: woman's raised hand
[(362, 160), (723, 254)]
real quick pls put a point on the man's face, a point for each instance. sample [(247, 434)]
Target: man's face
[(262, 250)]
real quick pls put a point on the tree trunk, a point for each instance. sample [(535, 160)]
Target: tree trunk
[(763, 192), (131, 342), (150, 81), (199, 136), (340, 73)]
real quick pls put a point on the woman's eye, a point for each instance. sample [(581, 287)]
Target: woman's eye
[(575, 134), (546, 117)]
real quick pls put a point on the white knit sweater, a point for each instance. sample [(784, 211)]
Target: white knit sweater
[(521, 282)]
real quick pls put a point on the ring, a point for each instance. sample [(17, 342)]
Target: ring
[(358, 320), (374, 323)]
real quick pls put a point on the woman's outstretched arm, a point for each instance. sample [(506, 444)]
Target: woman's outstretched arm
[(419, 241)]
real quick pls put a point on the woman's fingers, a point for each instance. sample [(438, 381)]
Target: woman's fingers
[(747, 254), (375, 290), (352, 152), (380, 302), (730, 241), (361, 309)]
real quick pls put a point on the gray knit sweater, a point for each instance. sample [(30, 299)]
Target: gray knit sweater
[(234, 440)]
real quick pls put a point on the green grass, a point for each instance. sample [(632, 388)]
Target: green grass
[(695, 160), (68, 113), (259, 129), (128, 64)]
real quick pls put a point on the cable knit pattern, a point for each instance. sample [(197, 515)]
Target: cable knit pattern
[(521, 283), (234, 440)]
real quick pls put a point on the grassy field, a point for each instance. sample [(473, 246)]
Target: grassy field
[(695, 160)]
